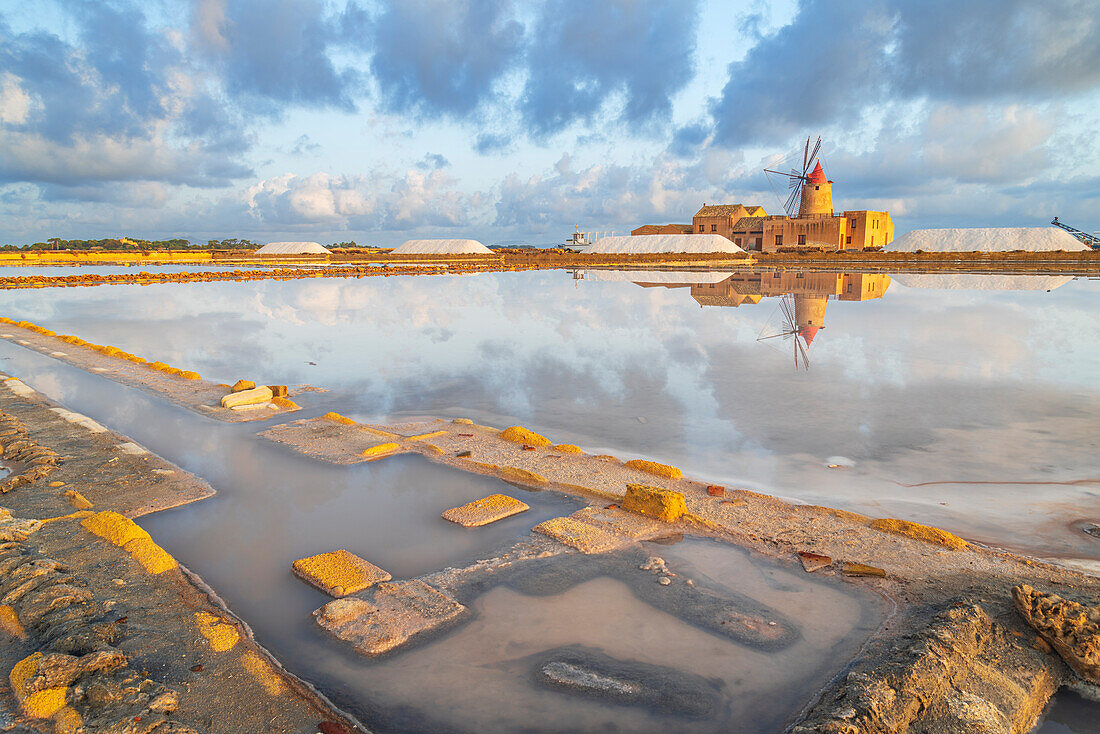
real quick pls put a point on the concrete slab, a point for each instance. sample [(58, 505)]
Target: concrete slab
[(339, 573), (588, 539)]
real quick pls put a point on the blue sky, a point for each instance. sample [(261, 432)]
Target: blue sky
[(381, 120)]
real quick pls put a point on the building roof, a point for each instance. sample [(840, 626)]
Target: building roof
[(749, 224), (818, 175), (720, 210)]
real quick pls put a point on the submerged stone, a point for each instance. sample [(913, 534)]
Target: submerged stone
[(339, 573), (485, 510), (581, 671)]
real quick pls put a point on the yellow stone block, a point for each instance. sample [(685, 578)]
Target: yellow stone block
[(188, 375), (221, 635), (150, 555), (485, 510), (77, 500), (921, 532), (652, 467), (463, 421), (521, 476), (44, 704), (586, 538), (860, 569), (339, 573), (247, 397), (567, 448), (114, 527), (9, 622), (337, 418), (519, 434), (380, 450), (663, 504)]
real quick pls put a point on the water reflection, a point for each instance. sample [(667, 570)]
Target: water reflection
[(972, 409)]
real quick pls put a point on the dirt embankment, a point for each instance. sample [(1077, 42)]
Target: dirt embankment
[(182, 387), (102, 630), (955, 657)]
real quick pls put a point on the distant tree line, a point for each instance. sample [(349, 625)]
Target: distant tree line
[(128, 243)]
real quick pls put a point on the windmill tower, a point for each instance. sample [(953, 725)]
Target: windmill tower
[(797, 319), (809, 190)]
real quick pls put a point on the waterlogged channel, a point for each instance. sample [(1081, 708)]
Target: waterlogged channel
[(966, 402)]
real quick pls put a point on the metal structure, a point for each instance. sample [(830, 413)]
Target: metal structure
[(1089, 239), (797, 179), (787, 330)]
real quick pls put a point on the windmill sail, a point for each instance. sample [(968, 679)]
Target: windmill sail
[(796, 179)]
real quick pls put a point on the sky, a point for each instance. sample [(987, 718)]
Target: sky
[(377, 121)]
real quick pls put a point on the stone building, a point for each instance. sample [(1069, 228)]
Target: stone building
[(663, 229), (816, 226)]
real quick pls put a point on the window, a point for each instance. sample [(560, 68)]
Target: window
[(817, 188), (848, 240), (737, 241), (801, 239), (714, 228), (778, 240), (855, 223), (700, 228)]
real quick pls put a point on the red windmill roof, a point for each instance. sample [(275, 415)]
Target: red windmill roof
[(818, 175), (808, 333)]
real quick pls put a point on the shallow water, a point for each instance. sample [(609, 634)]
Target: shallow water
[(979, 389), (63, 271), (987, 399)]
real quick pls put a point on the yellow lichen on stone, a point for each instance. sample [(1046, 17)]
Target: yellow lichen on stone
[(77, 500), (485, 510), (188, 375), (285, 403), (158, 366), (150, 555), (463, 421), (521, 476), (567, 448), (380, 450), (67, 720), (221, 635), (424, 436), (339, 573), (337, 418), (921, 532), (21, 673), (662, 504), (519, 434), (138, 360), (114, 527), (80, 515), (44, 704), (261, 670), (584, 537), (9, 622), (654, 468)]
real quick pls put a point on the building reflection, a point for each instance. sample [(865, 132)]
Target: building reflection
[(803, 297)]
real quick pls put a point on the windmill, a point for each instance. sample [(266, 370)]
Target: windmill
[(797, 179), (789, 323)]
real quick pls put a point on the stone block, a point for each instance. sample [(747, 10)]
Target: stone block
[(654, 468), (485, 510), (339, 573), (663, 504), (921, 532), (279, 391), (380, 450), (114, 527), (519, 434), (255, 396), (242, 385), (588, 539)]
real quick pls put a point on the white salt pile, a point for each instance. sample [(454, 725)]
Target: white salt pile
[(988, 239), (645, 243), (442, 247), (661, 277), (974, 282), (292, 248)]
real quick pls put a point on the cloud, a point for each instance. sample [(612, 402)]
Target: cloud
[(276, 52), (304, 145), (838, 59), (442, 56), (379, 201), (584, 53)]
